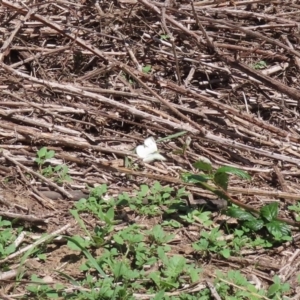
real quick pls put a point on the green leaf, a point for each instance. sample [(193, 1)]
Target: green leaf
[(191, 178), (254, 225), (146, 69), (42, 257), (164, 37), (278, 228), (75, 214), (10, 249), (119, 269), (295, 208), (49, 154), (240, 214), (159, 296), (234, 171), (221, 179), (155, 276), (118, 239), (162, 255), (175, 266), (52, 294), (201, 245), (144, 190), (194, 273), (79, 241), (203, 166), (57, 168), (225, 253), (157, 233), (42, 152), (260, 65), (273, 289), (110, 215), (270, 211), (88, 255)]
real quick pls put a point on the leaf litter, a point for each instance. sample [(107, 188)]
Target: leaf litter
[(212, 81)]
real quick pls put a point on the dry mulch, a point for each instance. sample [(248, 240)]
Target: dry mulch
[(92, 80)]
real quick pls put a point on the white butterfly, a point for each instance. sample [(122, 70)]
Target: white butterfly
[(148, 151)]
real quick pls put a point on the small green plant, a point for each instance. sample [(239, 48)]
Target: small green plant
[(212, 242), (216, 181), (102, 209), (278, 288), (260, 65), (147, 69), (130, 237), (119, 262), (149, 200), (219, 177), (158, 235), (296, 209), (164, 37), (7, 238), (41, 290), (242, 239), (169, 277), (59, 173), (267, 219), (234, 285), (198, 216), (172, 223), (43, 154)]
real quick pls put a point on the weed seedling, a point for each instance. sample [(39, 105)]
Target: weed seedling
[(43, 291), (266, 218), (260, 65), (59, 173), (212, 242), (234, 285), (149, 200), (296, 209), (147, 69), (43, 154), (7, 237)]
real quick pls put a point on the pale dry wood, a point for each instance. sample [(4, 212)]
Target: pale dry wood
[(26, 218), (159, 120), (72, 89)]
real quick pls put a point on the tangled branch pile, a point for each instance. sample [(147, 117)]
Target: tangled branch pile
[(93, 80)]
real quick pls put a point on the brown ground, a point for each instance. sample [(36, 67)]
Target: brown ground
[(72, 79)]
